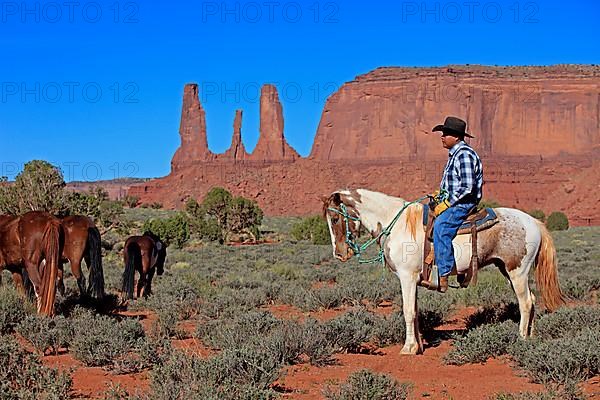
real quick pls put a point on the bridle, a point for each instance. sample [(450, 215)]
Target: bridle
[(357, 249)]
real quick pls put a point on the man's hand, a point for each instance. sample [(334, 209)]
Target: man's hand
[(440, 208), (434, 195)]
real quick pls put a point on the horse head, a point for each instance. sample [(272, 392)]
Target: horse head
[(344, 224)]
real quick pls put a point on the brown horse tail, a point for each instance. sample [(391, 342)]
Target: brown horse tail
[(96, 286), (51, 244), (132, 258), (546, 273)]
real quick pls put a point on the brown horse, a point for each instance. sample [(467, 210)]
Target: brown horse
[(10, 249), (145, 254), (82, 241), (25, 242)]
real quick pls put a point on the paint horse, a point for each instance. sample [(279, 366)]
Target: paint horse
[(82, 241), (145, 254), (515, 244), (31, 244)]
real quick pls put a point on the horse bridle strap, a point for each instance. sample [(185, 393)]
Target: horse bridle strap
[(344, 213), (358, 250)]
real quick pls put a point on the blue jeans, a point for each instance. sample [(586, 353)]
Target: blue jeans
[(445, 228)]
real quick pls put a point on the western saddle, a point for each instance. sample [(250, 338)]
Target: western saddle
[(475, 222)]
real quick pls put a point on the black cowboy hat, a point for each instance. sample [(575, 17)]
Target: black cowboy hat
[(453, 126)]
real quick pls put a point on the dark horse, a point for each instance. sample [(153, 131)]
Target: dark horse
[(82, 241), (10, 249), (25, 242), (145, 254)]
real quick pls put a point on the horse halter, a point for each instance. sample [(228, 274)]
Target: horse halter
[(343, 211), (379, 239)]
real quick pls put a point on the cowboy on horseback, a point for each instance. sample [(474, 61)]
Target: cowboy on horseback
[(460, 192)]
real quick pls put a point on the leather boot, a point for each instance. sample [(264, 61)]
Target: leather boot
[(443, 284)]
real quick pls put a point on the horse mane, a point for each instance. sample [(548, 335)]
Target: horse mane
[(414, 217), (152, 235)]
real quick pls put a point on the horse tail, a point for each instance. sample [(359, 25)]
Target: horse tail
[(546, 273), (96, 285), (51, 245), (132, 257)]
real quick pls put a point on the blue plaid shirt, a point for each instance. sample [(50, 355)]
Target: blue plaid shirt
[(463, 175)]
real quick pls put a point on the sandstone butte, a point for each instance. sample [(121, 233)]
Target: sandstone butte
[(537, 130)]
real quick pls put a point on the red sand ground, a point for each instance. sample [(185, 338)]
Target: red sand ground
[(430, 377)]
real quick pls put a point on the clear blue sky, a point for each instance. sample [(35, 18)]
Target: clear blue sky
[(96, 87)]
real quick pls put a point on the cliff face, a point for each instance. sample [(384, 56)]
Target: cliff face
[(271, 146), (271, 143), (237, 151), (534, 111), (537, 130), (192, 129)]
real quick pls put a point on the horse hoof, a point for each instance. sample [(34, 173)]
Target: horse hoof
[(411, 349)]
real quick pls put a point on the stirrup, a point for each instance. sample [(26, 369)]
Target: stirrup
[(434, 279)]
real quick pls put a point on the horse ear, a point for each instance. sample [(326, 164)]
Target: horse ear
[(337, 199)]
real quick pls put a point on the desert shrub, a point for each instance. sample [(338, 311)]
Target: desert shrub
[(538, 214), (227, 376), (117, 392), (433, 310), (173, 230), (201, 225), (493, 315), (482, 343), (154, 351), (229, 301), (40, 186), (299, 296), (221, 214), (313, 229), (316, 345), (366, 385), (557, 221), (47, 333), (216, 203), (131, 201), (231, 333), (568, 393), (567, 322), (96, 203), (100, 340), (165, 325), (581, 285), (13, 308), (389, 330), (172, 293), (374, 285), (23, 377), (325, 297), (350, 330), (244, 215), (208, 228), (564, 361), (285, 342), (492, 289)]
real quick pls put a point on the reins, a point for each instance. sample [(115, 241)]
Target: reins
[(359, 249)]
